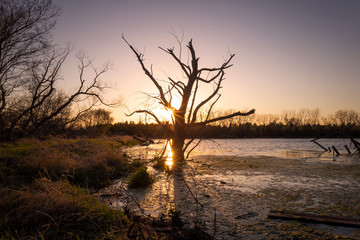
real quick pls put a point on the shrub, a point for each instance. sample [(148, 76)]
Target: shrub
[(140, 178)]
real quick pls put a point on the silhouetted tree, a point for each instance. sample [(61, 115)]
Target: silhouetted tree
[(30, 102), (96, 117), (186, 116), (346, 116)]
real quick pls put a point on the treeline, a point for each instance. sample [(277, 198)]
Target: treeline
[(290, 124), (300, 117), (247, 130), (304, 123)]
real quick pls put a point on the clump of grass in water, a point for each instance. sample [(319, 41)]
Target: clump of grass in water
[(160, 163), (140, 178)]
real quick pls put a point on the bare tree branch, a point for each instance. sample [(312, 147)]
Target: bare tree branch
[(186, 69), (215, 92), (223, 117), (219, 70), (193, 101), (192, 149), (147, 73), (166, 127)]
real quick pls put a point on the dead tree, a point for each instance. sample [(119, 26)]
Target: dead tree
[(186, 116)]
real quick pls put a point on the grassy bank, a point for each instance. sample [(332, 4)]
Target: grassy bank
[(88, 163), (49, 190), (46, 188)]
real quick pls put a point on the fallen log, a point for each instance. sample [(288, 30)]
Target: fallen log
[(139, 139), (315, 218), (143, 142)]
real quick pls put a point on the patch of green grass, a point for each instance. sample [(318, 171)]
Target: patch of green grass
[(140, 178), (18, 148)]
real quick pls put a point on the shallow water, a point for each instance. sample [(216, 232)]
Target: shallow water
[(274, 147), (230, 186), (259, 146)]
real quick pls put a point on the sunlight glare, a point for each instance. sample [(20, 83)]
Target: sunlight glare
[(169, 159), (168, 115)]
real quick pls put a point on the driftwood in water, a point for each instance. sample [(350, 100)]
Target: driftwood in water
[(356, 144), (347, 149), (336, 151), (314, 141), (143, 141), (309, 217), (353, 141)]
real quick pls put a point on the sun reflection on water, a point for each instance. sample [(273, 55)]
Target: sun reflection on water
[(169, 159)]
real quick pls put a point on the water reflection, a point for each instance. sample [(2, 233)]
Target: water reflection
[(230, 189), (169, 159), (247, 147), (159, 199)]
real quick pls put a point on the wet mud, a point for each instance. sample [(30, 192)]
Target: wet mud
[(231, 196)]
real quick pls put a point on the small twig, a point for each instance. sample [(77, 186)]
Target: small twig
[(196, 200), (197, 144), (214, 223), (47, 216)]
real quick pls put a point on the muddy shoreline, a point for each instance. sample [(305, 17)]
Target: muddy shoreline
[(231, 196)]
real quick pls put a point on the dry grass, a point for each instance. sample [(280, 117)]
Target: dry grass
[(87, 162), (42, 194), (57, 210), (45, 190)]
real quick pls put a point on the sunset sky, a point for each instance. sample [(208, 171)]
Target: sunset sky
[(288, 54)]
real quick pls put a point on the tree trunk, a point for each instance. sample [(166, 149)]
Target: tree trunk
[(178, 139), (177, 149)]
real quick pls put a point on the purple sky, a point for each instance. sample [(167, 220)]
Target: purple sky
[(288, 54)]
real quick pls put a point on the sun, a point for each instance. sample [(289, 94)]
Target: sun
[(165, 114), (169, 114)]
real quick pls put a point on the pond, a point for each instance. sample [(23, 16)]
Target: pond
[(229, 186), (275, 147)]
